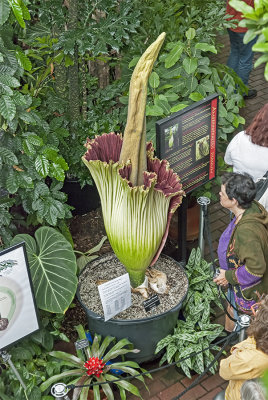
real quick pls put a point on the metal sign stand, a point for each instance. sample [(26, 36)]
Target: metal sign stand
[(7, 358), (182, 230)]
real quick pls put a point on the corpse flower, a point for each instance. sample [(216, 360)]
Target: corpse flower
[(139, 193)]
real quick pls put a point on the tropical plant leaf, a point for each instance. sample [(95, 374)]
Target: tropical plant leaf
[(8, 80), (18, 12), (178, 107), (105, 343), (7, 107), (4, 11), (154, 80), (53, 268), (42, 165), (45, 385), (174, 55), (7, 156), (23, 60), (206, 47), (189, 64)]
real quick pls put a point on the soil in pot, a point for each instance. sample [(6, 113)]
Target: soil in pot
[(143, 329), (88, 289)]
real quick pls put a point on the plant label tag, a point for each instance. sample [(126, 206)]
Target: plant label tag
[(115, 296), (151, 303), (81, 344)]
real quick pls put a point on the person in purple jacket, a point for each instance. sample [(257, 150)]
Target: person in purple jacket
[(243, 246)]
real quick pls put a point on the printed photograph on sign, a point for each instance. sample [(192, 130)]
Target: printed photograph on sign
[(18, 313), (187, 139), (171, 136), (202, 148)]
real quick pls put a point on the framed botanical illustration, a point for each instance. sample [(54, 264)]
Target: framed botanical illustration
[(18, 312)]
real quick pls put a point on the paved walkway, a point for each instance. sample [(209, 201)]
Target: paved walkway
[(168, 383)]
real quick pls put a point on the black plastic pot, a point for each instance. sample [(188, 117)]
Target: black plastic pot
[(83, 199), (143, 333)]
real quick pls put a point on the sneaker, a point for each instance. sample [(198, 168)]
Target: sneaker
[(251, 94)]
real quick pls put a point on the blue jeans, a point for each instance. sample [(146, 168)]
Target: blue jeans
[(241, 55)]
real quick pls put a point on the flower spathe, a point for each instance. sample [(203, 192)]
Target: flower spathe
[(94, 366), (136, 218)]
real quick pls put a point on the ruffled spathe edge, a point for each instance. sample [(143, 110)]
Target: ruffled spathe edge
[(107, 148)]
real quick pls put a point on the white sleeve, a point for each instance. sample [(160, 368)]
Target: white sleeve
[(232, 146)]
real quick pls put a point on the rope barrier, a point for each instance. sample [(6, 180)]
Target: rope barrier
[(226, 340)]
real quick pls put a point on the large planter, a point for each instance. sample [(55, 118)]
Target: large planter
[(83, 199), (144, 333)]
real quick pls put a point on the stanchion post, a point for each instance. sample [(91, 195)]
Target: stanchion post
[(59, 391), (182, 231), (7, 358), (203, 202), (243, 323)]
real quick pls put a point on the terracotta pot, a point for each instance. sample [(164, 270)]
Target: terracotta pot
[(193, 216)]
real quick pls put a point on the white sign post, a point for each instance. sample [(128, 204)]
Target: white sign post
[(115, 296)]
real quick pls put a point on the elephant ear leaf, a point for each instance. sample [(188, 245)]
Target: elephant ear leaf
[(52, 267)]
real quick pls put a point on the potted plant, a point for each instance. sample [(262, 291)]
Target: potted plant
[(97, 364), (139, 194), (195, 332)]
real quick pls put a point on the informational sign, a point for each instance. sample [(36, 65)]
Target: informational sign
[(18, 313), (115, 296), (151, 303), (188, 140)]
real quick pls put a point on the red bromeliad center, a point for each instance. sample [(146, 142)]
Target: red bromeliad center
[(94, 366)]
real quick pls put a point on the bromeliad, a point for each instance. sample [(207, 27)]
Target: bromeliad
[(139, 193)]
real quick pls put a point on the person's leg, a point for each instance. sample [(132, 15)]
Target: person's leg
[(233, 59), (246, 59)]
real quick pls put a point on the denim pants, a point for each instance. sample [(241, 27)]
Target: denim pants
[(241, 55)]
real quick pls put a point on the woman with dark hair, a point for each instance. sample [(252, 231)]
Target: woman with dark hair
[(248, 150), (243, 246), (248, 359)]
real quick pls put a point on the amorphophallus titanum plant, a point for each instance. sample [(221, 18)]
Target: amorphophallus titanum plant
[(139, 193)]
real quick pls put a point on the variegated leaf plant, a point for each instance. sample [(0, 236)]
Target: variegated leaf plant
[(139, 193)]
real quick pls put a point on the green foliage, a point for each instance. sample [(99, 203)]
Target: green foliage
[(89, 255), (184, 75), (255, 19), (107, 350), (196, 332), (31, 359), (52, 267)]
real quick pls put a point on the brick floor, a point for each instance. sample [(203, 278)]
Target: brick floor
[(171, 383)]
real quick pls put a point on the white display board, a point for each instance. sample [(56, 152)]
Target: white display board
[(18, 312), (115, 296)]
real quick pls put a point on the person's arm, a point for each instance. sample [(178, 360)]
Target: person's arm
[(250, 252), (238, 366)]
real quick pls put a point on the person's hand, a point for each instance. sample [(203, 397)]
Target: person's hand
[(221, 280)]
